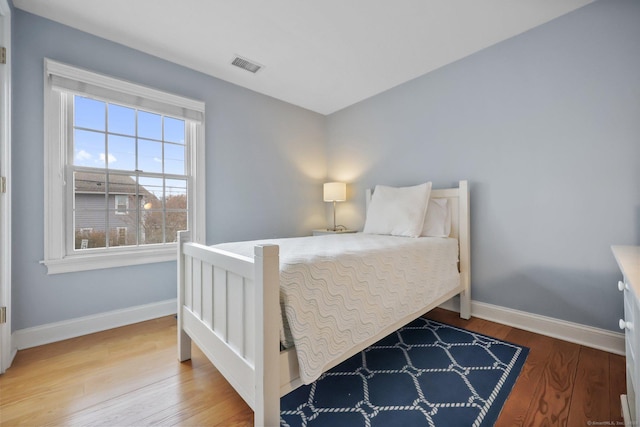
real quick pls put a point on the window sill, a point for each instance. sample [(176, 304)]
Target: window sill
[(97, 261)]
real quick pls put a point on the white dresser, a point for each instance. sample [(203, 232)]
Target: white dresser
[(628, 258)]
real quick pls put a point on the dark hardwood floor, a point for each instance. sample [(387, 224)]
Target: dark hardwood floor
[(131, 376), (561, 383)]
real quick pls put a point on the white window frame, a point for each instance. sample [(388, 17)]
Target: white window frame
[(125, 209), (57, 204), (120, 233)]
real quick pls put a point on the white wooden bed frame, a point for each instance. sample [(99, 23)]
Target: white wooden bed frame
[(229, 306)]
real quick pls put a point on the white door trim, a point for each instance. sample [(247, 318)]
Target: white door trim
[(8, 352)]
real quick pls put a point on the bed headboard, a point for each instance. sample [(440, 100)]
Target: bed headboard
[(454, 195), (460, 221)]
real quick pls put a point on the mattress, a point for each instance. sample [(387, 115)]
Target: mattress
[(337, 291)]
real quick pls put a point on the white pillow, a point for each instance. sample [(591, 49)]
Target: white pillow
[(398, 211), (437, 221)]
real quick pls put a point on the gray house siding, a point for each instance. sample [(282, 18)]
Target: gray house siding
[(89, 212), (90, 221)]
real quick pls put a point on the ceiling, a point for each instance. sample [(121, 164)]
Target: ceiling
[(320, 55)]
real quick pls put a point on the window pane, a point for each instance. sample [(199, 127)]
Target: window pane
[(176, 208), (149, 156), (174, 159), (122, 120), (175, 221), (174, 130), (122, 153), (89, 113), (88, 149), (122, 185), (151, 226), (122, 212), (88, 238), (176, 188), (152, 218), (149, 125), (89, 215), (152, 190), (89, 192), (122, 235), (148, 201), (123, 215)]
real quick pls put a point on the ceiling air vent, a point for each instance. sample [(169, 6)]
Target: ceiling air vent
[(245, 64)]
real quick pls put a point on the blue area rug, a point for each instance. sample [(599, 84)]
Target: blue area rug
[(425, 374)]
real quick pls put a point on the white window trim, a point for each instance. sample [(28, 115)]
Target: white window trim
[(126, 205), (56, 205), (120, 230)]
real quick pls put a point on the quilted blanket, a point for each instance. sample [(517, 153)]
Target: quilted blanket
[(337, 291)]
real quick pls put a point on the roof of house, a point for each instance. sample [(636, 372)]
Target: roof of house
[(95, 183)]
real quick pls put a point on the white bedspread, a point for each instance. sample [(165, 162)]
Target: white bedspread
[(339, 290)]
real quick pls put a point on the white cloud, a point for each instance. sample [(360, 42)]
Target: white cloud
[(112, 158), (83, 155), (157, 159)]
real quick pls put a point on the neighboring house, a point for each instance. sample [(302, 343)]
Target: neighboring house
[(121, 212)]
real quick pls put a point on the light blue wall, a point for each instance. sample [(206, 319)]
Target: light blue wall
[(266, 161), (546, 126)]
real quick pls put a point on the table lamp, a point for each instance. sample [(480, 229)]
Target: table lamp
[(335, 192)]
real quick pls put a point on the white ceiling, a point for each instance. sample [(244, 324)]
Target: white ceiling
[(320, 55)]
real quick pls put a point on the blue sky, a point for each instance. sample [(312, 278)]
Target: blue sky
[(90, 147)]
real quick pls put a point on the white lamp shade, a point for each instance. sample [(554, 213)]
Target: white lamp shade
[(335, 192)]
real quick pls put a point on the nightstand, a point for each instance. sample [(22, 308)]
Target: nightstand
[(324, 231)]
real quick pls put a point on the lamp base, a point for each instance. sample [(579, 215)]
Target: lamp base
[(325, 231)]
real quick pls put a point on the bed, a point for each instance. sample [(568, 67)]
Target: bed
[(232, 301)]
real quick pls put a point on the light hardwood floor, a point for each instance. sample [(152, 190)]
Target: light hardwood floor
[(131, 376)]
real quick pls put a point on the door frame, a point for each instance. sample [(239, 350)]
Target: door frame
[(7, 352)]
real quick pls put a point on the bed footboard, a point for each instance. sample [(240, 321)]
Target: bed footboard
[(224, 310)]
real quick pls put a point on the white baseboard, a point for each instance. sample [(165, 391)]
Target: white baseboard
[(52, 332), (601, 339)]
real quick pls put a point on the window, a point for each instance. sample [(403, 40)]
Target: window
[(124, 172), (122, 205), (122, 235)]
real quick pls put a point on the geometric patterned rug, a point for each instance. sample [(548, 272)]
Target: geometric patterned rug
[(425, 374)]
